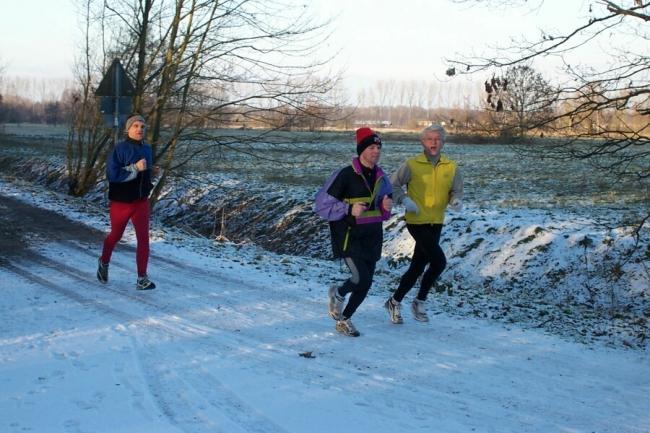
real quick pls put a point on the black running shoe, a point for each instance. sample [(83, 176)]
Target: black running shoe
[(144, 283), (102, 271)]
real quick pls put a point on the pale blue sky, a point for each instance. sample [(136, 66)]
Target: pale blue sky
[(37, 38), (378, 39)]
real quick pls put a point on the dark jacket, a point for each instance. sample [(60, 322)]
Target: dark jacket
[(355, 236), (125, 182)]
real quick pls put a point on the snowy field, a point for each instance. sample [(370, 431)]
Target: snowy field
[(496, 175), (237, 339)]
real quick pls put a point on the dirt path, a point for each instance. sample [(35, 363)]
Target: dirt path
[(23, 225)]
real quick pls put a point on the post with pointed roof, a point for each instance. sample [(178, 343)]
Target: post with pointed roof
[(116, 92)]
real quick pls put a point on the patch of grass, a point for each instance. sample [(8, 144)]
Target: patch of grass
[(556, 275), (526, 240), (532, 237), (470, 247), (396, 262), (586, 242), (539, 249), (442, 286)]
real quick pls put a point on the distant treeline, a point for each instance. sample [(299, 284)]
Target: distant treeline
[(465, 125), (20, 110), (15, 109)]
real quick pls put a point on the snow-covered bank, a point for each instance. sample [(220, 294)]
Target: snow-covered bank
[(565, 261), (554, 269), (237, 340)]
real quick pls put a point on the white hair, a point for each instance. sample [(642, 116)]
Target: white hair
[(435, 127)]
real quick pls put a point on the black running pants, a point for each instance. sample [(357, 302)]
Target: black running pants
[(358, 284), (427, 252)]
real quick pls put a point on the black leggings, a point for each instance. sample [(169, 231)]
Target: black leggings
[(358, 284), (426, 252)]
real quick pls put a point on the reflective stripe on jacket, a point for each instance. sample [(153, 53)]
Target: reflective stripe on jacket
[(354, 236)]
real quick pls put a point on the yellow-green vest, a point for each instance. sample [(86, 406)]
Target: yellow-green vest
[(429, 188)]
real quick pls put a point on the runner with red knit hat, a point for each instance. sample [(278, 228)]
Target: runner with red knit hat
[(356, 199)]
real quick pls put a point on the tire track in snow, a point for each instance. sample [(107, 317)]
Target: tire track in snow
[(165, 386), (154, 387), (211, 336), (214, 276), (153, 301), (68, 293), (375, 338), (265, 339)]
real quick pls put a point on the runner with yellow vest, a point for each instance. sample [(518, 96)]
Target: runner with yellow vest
[(432, 182)]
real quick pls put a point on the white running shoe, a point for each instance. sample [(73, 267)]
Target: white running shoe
[(346, 327), (394, 313), (335, 304), (419, 313)]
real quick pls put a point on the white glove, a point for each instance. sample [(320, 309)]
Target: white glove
[(456, 204), (410, 205)]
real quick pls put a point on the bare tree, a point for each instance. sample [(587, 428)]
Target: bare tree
[(521, 99), (386, 92), (88, 142), (205, 64), (604, 112)]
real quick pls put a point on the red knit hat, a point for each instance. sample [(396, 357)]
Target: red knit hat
[(366, 137)]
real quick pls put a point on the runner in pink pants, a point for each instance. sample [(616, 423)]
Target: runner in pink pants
[(129, 172)]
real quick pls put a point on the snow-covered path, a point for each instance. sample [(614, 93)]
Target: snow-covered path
[(217, 348)]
